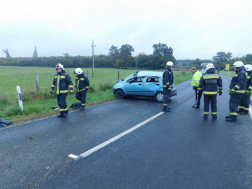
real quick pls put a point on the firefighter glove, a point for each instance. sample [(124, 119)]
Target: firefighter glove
[(194, 87), (220, 92), (248, 93), (232, 92), (169, 89), (71, 92), (52, 88), (51, 91)]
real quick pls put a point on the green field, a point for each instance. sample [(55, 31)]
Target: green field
[(38, 105)]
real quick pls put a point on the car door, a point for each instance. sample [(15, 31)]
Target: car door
[(151, 85), (134, 86)]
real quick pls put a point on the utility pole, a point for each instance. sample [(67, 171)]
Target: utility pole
[(93, 58)]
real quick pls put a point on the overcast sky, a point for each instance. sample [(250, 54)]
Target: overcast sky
[(193, 28)]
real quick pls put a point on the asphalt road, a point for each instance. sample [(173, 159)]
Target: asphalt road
[(178, 149)]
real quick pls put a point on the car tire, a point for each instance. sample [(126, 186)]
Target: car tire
[(159, 96), (119, 94)]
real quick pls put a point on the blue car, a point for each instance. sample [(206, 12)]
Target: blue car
[(142, 83)]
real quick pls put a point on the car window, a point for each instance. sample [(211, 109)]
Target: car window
[(152, 79), (135, 80)]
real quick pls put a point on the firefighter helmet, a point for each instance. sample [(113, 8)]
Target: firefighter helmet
[(78, 71), (248, 67), (238, 64), (210, 65), (59, 65), (169, 63)]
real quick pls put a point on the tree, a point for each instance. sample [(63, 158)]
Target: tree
[(66, 54), (114, 53), (126, 51), (221, 59), (248, 58), (162, 50), (197, 62)]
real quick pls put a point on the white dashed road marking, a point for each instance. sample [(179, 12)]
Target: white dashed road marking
[(102, 145)]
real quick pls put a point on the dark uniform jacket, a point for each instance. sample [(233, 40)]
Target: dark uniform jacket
[(249, 81), (210, 81), (238, 82), (81, 82), (167, 78), (62, 82)]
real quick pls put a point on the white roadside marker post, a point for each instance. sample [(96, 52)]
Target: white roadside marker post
[(20, 98)]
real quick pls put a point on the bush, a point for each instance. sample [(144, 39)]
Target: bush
[(105, 85)]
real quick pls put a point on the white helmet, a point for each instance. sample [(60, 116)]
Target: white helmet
[(169, 63), (78, 71), (238, 64), (59, 65), (210, 65), (248, 67)]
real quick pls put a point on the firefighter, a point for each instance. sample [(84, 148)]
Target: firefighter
[(195, 84), (245, 102), (209, 83), (62, 82), (237, 89), (167, 85), (81, 85)]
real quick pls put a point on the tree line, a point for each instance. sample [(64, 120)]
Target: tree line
[(122, 58)]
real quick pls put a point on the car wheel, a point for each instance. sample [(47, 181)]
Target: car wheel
[(119, 94), (159, 96)]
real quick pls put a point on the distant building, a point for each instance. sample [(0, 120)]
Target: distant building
[(35, 54)]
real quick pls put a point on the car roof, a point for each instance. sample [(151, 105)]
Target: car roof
[(148, 73)]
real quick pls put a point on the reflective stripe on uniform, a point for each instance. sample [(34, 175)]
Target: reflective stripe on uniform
[(250, 87), (83, 104), (64, 109), (210, 92), (63, 91), (63, 77), (206, 112), (214, 113), (241, 107), (58, 79), (233, 113), (164, 86), (211, 77), (240, 91), (164, 104), (246, 108), (237, 86)]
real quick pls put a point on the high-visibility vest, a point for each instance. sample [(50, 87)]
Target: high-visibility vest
[(196, 78)]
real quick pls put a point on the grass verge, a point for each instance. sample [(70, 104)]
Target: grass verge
[(38, 105)]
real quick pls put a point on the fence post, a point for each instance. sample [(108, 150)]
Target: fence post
[(118, 76), (87, 74), (20, 98), (37, 84)]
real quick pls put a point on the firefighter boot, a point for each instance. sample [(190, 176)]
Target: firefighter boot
[(82, 107), (60, 115), (244, 113), (205, 116), (214, 117), (65, 114), (230, 119), (166, 109), (240, 111)]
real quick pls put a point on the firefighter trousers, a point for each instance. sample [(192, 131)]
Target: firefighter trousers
[(166, 93), (234, 102), (61, 99), (81, 96), (244, 104), (210, 99)]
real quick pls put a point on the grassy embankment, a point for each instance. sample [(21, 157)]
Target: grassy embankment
[(229, 74), (39, 105)]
